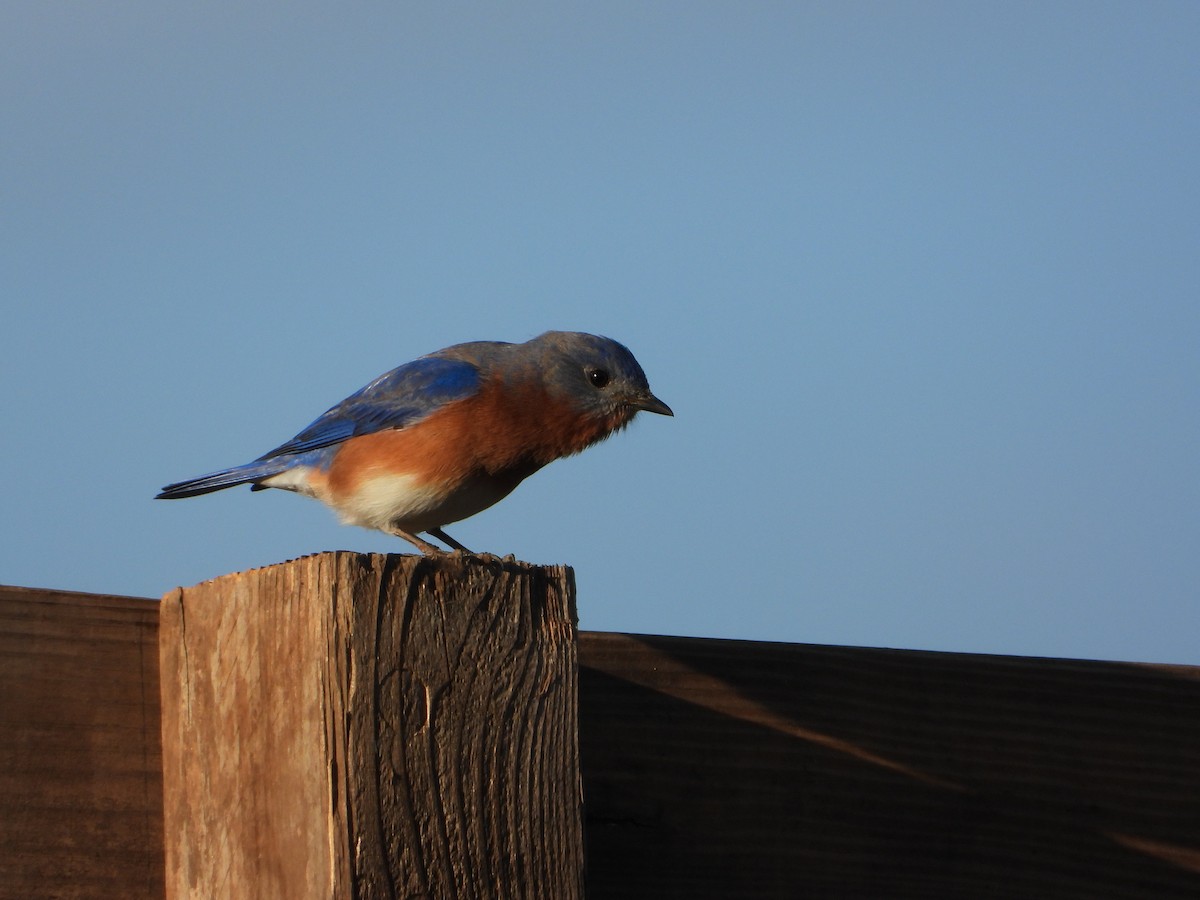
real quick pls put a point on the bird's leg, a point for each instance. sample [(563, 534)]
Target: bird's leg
[(446, 539), (424, 546)]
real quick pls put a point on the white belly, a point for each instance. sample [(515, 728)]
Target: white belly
[(385, 501), (401, 501)]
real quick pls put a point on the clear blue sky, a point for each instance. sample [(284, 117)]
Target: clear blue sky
[(919, 279)]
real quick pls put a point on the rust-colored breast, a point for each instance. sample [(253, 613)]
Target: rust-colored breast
[(499, 430), (523, 423)]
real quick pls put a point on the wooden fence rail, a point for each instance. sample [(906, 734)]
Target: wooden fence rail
[(80, 747), (349, 725)]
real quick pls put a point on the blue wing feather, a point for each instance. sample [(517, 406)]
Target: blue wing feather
[(396, 399)]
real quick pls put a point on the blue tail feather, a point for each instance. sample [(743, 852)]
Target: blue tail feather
[(250, 473)]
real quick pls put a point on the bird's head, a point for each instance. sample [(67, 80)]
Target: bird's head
[(597, 375)]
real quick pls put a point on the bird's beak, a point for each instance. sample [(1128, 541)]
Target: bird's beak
[(650, 403)]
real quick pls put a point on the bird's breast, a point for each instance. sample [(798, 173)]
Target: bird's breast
[(458, 460), (515, 424)]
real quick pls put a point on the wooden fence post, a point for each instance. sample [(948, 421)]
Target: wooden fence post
[(365, 726)]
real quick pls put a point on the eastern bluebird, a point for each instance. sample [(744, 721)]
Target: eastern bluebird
[(447, 435)]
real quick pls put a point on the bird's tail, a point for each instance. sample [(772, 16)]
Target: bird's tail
[(250, 473)]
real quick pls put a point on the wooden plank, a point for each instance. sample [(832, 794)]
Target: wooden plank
[(367, 726), (717, 769), (80, 759)]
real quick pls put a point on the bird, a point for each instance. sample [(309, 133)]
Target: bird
[(443, 437)]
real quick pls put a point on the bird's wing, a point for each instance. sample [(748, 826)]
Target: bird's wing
[(397, 399)]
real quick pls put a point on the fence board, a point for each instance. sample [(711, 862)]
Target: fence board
[(80, 758), (717, 769)]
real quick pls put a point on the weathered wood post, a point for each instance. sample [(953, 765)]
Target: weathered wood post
[(365, 726)]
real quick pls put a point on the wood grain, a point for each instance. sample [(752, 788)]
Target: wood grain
[(80, 764), (373, 727), (717, 769)]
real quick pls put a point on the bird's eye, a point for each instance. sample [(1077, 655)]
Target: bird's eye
[(598, 377)]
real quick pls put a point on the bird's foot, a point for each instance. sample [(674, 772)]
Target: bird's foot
[(428, 549), (446, 539)]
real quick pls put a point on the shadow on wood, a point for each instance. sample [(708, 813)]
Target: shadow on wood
[(370, 726), (716, 769)]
